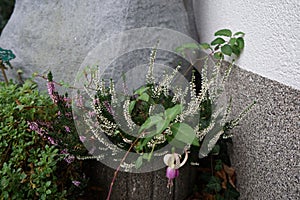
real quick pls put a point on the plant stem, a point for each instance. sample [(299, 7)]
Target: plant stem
[(3, 72), (118, 169)]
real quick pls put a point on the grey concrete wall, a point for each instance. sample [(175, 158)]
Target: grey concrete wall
[(266, 147)]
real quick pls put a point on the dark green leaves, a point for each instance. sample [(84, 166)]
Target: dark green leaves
[(6, 55), (217, 41), (227, 44), (224, 32), (214, 185), (226, 49), (240, 42)]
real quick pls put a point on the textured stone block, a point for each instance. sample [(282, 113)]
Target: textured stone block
[(266, 147)]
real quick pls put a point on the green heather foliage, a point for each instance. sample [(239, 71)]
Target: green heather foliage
[(28, 164), (31, 166)]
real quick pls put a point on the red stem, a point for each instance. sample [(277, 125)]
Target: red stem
[(118, 169)]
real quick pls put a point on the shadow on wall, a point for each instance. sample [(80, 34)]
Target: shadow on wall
[(6, 9)]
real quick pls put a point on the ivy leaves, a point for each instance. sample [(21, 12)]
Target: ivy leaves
[(225, 43)]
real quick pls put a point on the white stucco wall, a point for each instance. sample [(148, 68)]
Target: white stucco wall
[(272, 34)]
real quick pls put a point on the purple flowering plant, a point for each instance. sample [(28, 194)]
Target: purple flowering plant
[(60, 132)]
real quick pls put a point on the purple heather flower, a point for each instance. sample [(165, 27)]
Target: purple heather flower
[(82, 138), (51, 140), (67, 129), (68, 158), (76, 183), (92, 114), (35, 127), (79, 101), (96, 101), (68, 102), (51, 89), (108, 107)]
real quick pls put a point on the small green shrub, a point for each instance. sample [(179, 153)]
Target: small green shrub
[(34, 164), (28, 164)]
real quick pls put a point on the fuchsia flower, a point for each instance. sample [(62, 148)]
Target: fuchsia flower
[(173, 163), (172, 173)]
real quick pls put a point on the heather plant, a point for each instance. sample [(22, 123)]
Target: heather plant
[(157, 115), (28, 164), (38, 145)]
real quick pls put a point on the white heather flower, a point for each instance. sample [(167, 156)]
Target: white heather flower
[(127, 116)]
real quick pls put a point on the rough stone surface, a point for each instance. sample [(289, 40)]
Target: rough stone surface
[(57, 35), (266, 147)]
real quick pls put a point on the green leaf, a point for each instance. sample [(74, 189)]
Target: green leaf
[(218, 166), (189, 46), (205, 46), (232, 41), (218, 56), (144, 97), (231, 193), (131, 106), (161, 126), (215, 150), (214, 184), (139, 162), (151, 121), (240, 33), (48, 191), (224, 32), (146, 156), (171, 113), (48, 183), (236, 50), (6, 55), (218, 41), (240, 42), (226, 49), (141, 90), (183, 132), (196, 142)]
